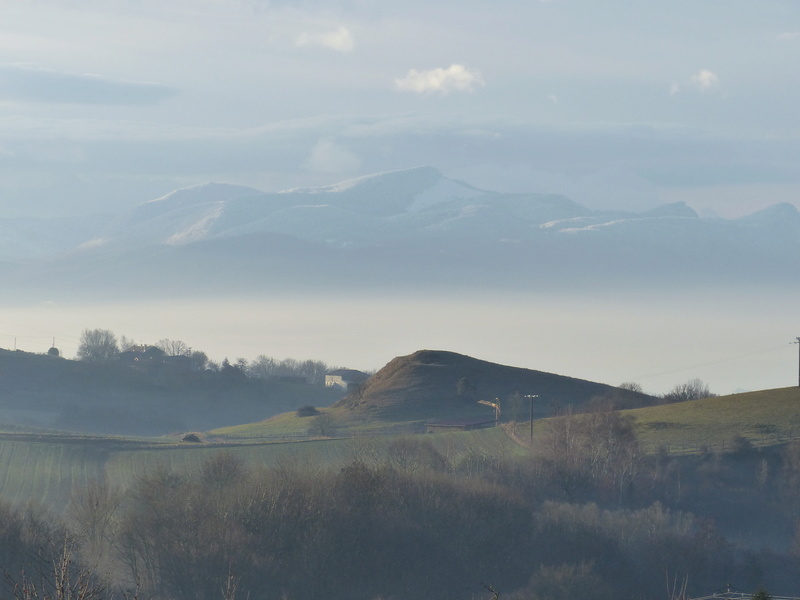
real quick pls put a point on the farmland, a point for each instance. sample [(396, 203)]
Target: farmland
[(269, 490), (765, 418), (44, 468)]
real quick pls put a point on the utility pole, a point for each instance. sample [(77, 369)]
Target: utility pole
[(531, 397), (798, 361)]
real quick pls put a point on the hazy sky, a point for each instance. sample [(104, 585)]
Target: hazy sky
[(623, 104), (107, 103), (732, 341)]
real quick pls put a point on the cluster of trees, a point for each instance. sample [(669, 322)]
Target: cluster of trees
[(267, 367), (587, 517), (408, 524), (103, 346)]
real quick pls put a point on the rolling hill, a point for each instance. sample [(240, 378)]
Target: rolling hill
[(436, 384), (45, 467), (40, 391), (766, 417)]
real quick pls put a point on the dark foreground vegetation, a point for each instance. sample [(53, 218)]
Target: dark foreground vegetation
[(589, 517)]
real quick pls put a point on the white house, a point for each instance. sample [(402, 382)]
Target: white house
[(346, 379)]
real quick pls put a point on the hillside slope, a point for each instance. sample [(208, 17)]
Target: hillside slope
[(765, 417), (435, 384), (48, 392)]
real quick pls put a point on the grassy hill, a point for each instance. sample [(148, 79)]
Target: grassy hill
[(432, 384), (44, 466), (766, 417)]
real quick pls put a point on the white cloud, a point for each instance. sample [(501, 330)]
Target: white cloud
[(704, 80), (455, 78), (340, 40), (329, 157)]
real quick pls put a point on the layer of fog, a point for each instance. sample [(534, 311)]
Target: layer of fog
[(732, 341)]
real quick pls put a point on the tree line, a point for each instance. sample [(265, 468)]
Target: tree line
[(103, 346)]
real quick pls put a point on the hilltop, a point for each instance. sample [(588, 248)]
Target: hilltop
[(436, 384)]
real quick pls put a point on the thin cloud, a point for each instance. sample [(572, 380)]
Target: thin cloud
[(30, 84), (329, 157), (704, 80), (455, 78), (340, 40)]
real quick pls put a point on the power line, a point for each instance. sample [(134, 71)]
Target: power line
[(711, 363), (18, 338)]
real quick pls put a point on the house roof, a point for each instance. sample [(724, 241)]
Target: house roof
[(348, 374)]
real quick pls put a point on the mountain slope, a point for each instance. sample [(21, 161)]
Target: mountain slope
[(413, 227)]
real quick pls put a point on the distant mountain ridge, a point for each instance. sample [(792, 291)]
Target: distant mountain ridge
[(409, 227)]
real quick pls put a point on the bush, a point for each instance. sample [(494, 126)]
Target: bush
[(307, 411), (323, 425), (694, 389)]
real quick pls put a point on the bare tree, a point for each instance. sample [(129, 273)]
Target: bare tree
[(92, 515), (98, 345), (694, 389), (267, 367), (322, 425), (631, 386), (174, 347)]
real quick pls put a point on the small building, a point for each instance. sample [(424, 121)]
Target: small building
[(141, 355), (346, 379), (154, 359)]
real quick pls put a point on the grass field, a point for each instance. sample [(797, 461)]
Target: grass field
[(765, 418), (289, 425), (44, 468)]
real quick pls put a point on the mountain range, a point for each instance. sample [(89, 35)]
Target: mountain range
[(400, 228)]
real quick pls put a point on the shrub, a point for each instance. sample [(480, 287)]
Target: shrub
[(307, 411)]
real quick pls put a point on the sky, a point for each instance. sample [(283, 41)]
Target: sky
[(106, 103), (624, 104), (733, 342)]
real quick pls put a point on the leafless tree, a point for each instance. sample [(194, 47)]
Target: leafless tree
[(174, 347), (98, 345), (694, 389)]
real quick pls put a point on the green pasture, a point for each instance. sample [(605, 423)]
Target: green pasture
[(289, 425), (765, 418), (44, 468)]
